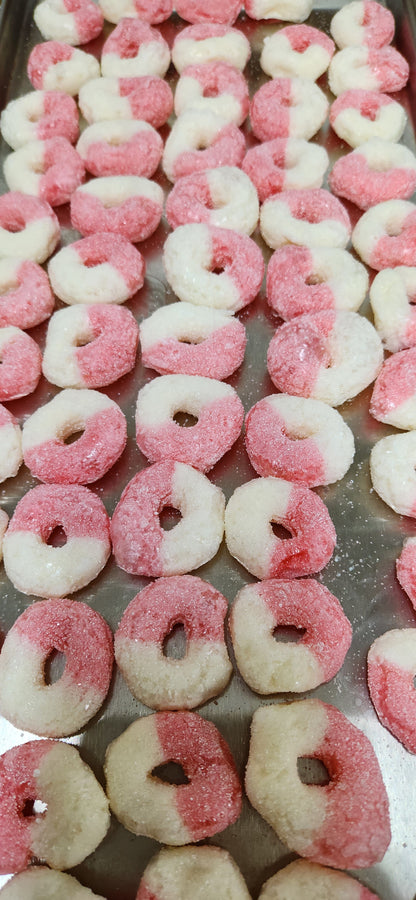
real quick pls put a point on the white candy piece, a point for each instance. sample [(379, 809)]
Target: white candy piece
[(40, 882), (392, 297), (393, 474), (232, 47), (203, 873), (286, 10)]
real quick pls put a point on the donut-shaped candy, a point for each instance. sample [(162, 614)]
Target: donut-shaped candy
[(270, 665), (29, 228), (285, 164), (299, 439), (11, 456), (391, 668), (72, 21), (216, 86), (205, 43), (216, 407), (392, 298), (39, 115), (134, 48), (39, 881), (65, 705), (51, 170), (286, 10), (306, 880), (357, 116), (209, 870), (288, 107), (185, 339), (330, 355), (172, 814), (120, 204), (392, 469), (224, 197), (393, 400), (362, 22), (308, 279), (37, 567), (385, 235), (344, 823), (313, 218), (21, 362), (101, 268), (223, 12), (56, 66), (250, 513), (102, 434), (152, 11), (90, 346), (120, 147), (212, 266), (68, 811), (161, 681), (377, 170), (144, 97), (200, 139), (406, 569), (141, 545), (26, 298), (383, 69), (297, 51)]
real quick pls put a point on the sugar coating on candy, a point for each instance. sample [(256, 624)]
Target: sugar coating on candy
[(391, 668), (56, 66), (128, 205), (160, 681), (250, 513), (223, 12), (101, 268), (41, 881), (21, 362), (73, 21), (11, 455), (173, 814), (39, 115), (385, 235), (206, 870), (287, 10), (363, 22), (287, 107), (216, 86), (152, 11), (285, 164), (314, 218), (146, 97), (406, 569), (392, 296), (29, 228), (141, 546), (120, 147), (26, 298), (270, 665), (393, 400), (392, 469), (383, 69), (90, 346), (308, 279), (192, 340), (224, 196), (134, 48), (205, 43), (64, 706), (377, 170), (76, 817), (201, 139), (299, 51), (305, 880), (358, 115), (51, 170), (299, 439), (344, 823)]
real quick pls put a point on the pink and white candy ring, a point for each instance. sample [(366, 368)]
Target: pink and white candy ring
[(11, 456), (200, 139), (21, 362), (120, 147), (385, 235), (307, 279), (224, 196), (285, 164), (50, 169), (297, 51), (359, 115), (287, 107), (216, 86), (393, 400), (210, 870), (391, 669), (392, 298), (383, 69), (377, 170), (310, 881), (101, 268), (205, 43), (39, 115), (134, 48), (72, 21), (56, 66), (29, 228), (363, 22), (314, 218), (127, 205), (26, 298), (145, 97)]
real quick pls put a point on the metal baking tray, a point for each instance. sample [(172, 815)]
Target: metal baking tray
[(361, 572)]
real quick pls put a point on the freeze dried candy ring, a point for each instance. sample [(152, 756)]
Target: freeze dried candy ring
[(212, 266), (285, 164), (11, 456), (308, 279), (299, 439), (406, 569), (314, 218), (393, 475), (192, 340), (306, 880), (39, 881), (331, 355), (215, 406), (216, 86), (207, 43), (297, 51), (357, 116), (121, 147), (134, 48), (224, 197), (385, 235), (377, 170), (391, 668), (343, 823), (64, 706), (29, 227), (164, 682), (55, 66), (37, 567), (51, 807), (39, 115), (371, 70), (362, 22), (72, 21), (26, 298), (152, 11), (90, 346), (199, 140), (270, 665), (144, 97), (101, 268), (141, 545), (250, 514), (392, 297), (208, 802), (287, 10), (50, 169), (21, 362), (127, 205), (100, 429), (208, 871), (220, 12), (393, 400), (288, 107)]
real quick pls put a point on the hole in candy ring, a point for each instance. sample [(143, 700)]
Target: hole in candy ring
[(57, 537), (33, 808), (73, 436), (174, 644), (170, 772), (169, 517), (54, 667), (312, 771), (288, 634), (185, 419), (280, 531)]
